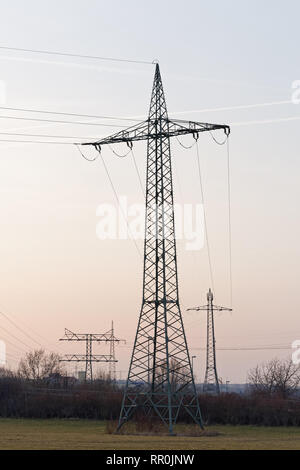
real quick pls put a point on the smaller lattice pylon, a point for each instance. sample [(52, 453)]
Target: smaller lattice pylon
[(89, 357), (112, 340), (211, 381)]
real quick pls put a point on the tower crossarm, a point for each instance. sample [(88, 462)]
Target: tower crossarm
[(213, 307), (70, 336), (82, 358), (153, 129), (221, 309), (198, 309)]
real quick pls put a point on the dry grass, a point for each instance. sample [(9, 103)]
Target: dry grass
[(154, 428), (83, 434)]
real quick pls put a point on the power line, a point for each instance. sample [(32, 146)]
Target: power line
[(19, 350), (34, 142), (40, 111), (117, 199), (47, 135), (19, 328), (5, 315), (81, 56), (15, 337), (204, 215), (258, 348), (138, 173), (229, 221), (18, 118)]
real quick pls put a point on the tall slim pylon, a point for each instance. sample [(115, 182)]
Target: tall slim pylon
[(160, 381), (160, 328), (211, 381)]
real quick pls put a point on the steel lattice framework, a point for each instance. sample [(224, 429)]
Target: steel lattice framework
[(89, 357), (211, 380), (160, 381)]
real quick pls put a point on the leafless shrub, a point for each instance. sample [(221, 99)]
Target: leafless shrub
[(38, 365), (275, 378)]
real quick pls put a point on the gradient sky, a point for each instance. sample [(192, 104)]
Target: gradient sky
[(54, 272)]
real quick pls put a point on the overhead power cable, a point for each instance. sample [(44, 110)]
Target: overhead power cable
[(5, 315), (118, 202), (137, 172), (80, 123), (256, 348), (81, 56), (82, 154), (15, 337), (21, 134), (205, 218), (229, 222), (18, 349), (35, 142), (60, 113), (19, 328)]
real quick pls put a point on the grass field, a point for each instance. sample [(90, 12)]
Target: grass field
[(81, 434)]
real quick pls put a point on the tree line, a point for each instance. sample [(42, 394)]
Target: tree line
[(272, 396)]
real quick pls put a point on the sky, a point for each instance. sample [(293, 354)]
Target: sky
[(216, 58)]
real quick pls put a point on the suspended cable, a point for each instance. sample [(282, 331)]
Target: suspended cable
[(19, 328), (117, 154), (262, 348), (35, 142), (18, 349), (81, 56), (39, 111), (138, 173), (15, 337), (185, 146), (87, 159), (174, 166), (216, 141), (229, 223), (79, 123), (33, 331), (5, 315), (48, 135), (117, 200), (204, 215)]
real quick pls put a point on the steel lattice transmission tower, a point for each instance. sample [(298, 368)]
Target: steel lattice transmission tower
[(112, 341), (89, 357), (160, 381), (211, 380)]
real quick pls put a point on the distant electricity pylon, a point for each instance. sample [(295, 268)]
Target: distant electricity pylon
[(89, 357), (112, 341), (160, 381), (211, 381)]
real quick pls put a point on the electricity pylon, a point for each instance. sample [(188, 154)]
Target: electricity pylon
[(112, 341), (211, 381), (160, 381), (89, 357)]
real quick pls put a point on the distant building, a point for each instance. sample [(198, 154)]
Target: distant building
[(60, 381)]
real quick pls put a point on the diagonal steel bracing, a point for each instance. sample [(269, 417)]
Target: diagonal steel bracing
[(211, 381), (160, 381)]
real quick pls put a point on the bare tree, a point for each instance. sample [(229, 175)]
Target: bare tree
[(37, 365), (280, 378), (177, 373)]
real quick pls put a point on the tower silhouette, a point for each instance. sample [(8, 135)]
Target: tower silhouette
[(160, 381), (211, 380)]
